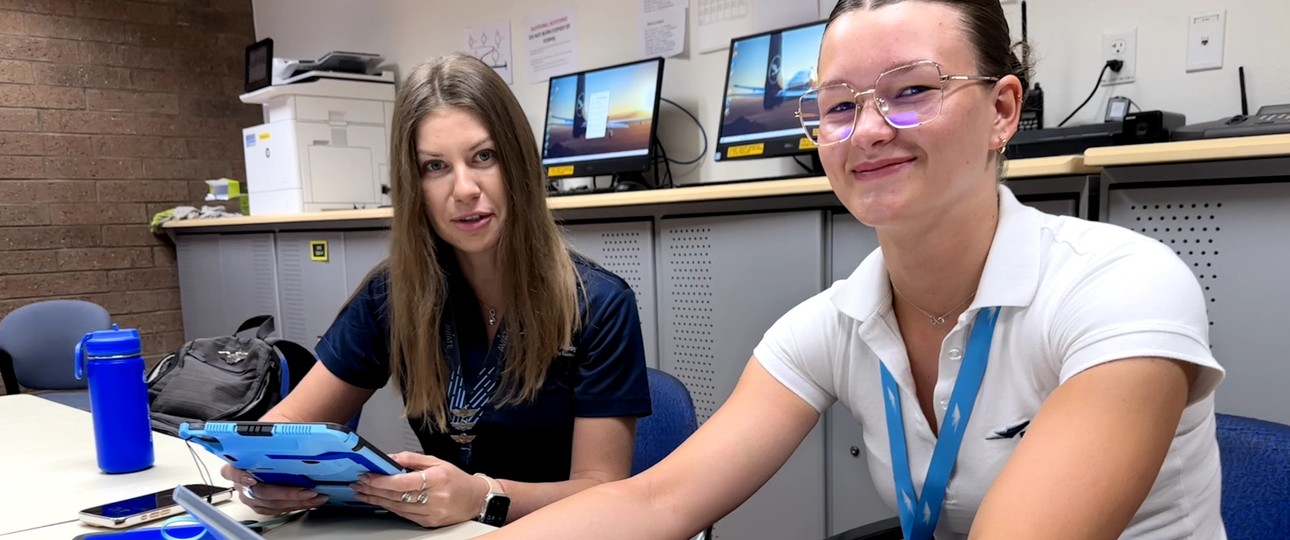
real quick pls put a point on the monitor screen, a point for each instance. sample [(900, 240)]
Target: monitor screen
[(765, 76), (602, 121)]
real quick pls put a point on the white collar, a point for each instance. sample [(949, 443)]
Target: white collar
[(1010, 277)]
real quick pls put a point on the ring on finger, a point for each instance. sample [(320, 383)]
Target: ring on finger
[(246, 492), (406, 497), (423, 497), (423, 479)]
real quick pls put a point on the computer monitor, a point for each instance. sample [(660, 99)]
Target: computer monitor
[(602, 121), (766, 75)]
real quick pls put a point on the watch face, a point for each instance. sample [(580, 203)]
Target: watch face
[(495, 514)]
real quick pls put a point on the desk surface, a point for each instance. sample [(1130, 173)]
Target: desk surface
[(47, 461), (1184, 151), (1017, 169)]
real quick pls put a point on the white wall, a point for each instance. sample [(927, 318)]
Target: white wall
[(1067, 36)]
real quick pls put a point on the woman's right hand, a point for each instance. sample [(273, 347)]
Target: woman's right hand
[(269, 499)]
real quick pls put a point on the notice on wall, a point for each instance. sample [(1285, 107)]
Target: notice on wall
[(551, 44), (492, 44), (662, 27)]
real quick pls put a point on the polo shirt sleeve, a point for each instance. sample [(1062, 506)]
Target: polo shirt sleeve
[(800, 349), (1141, 300), (612, 380), (356, 348)]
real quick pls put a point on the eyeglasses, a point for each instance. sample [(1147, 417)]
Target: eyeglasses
[(906, 97)]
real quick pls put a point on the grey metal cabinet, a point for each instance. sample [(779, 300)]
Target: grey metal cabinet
[(1235, 236), (723, 280), (225, 279), (626, 249)]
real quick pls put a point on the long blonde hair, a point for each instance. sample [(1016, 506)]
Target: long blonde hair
[(539, 279)]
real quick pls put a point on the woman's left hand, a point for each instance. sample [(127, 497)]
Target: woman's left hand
[(436, 493)]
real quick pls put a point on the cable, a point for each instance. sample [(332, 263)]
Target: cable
[(804, 166), (1134, 104), (701, 131), (201, 466), (1096, 85)]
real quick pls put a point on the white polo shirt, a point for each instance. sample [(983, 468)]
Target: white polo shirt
[(1074, 294)]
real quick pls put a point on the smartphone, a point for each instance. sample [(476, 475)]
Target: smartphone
[(145, 508)]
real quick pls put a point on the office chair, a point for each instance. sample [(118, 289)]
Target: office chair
[(1256, 477), (37, 343), (672, 421)]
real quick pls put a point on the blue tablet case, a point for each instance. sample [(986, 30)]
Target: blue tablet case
[(324, 457)]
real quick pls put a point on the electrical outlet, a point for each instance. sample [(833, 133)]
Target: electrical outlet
[(1122, 46)]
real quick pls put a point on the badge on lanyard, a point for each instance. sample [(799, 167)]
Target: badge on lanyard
[(919, 514), (466, 408)]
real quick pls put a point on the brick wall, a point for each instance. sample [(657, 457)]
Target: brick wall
[(111, 111)]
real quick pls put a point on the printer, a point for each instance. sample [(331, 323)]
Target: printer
[(325, 141)]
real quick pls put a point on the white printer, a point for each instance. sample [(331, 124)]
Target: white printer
[(324, 146)]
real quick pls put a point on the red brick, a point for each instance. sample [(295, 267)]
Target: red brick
[(41, 97), (185, 82), (156, 322), (130, 235), (72, 168), (185, 168), (22, 167), (232, 6), (143, 191), (11, 22), (96, 30), (96, 214), (87, 122), (217, 22), (215, 106), (213, 59), (48, 237), (28, 262), (48, 7), (117, 10), (13, 71), (121, 303), (21, 144), (23, 214), (39, 49), (163, 255), (187, 126), (43, 191), (52, 284), (19, 120), (115, 100), (139, 146), (143, 280), (114, 258), (104, 54), (156, 346), (82, 76), (69, 145), (215, 149)]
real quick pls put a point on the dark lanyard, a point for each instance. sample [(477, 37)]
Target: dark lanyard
[(466, 408), (918, 515)]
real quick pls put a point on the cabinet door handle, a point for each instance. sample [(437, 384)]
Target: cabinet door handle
[(855, 451)]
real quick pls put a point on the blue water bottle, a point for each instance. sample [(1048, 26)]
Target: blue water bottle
[(112, 361)]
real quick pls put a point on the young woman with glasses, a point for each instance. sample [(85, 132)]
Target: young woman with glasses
[(1015, 374)]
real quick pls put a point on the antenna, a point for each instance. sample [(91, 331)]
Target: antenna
[(1245, 105), (1025, 41)]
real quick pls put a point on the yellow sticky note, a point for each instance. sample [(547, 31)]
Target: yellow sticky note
[(746, 150), (562, 170)]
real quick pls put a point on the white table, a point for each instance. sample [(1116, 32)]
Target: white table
[(48, 466)]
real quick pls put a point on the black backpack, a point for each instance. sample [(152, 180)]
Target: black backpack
[(225, 378)]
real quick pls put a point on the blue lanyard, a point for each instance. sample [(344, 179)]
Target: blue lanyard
[(918, 515)]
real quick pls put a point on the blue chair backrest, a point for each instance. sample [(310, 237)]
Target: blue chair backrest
[(671, 422), (41, 337), (1256, 477)]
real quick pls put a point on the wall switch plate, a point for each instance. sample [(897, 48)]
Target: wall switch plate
[(1121, 46), (1205, 40)]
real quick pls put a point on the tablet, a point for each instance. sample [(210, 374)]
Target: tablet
[(324, 457)]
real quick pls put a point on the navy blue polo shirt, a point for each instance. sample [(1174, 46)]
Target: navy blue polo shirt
[(603, 376)]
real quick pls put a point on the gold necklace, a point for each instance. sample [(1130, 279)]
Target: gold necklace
[(936, 321)]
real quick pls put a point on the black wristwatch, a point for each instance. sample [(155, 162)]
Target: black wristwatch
[(496, 504)]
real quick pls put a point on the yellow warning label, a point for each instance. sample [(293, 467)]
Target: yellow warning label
[(746, 150), (805, 144), (562, 170), (318, 250), (264, 136)]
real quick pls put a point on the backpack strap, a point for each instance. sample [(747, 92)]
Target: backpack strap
[(264, 323), (297, 362)]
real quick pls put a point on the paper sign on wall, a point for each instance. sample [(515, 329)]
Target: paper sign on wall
[(551, 44), (492, 44), (662, 27)]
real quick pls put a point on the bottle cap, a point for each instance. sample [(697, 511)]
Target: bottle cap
[(114, 342)]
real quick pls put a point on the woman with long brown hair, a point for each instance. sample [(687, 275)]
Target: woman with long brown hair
[(518, 361)]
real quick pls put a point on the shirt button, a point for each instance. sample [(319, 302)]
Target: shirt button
[(945, 403), (956, 354)]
